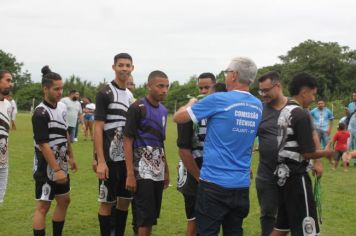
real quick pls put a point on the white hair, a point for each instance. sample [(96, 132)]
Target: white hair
[(246, 69)]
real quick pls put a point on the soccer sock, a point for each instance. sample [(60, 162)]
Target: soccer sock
[(57, 227), (40, 232), (104, 222), (121, 222)]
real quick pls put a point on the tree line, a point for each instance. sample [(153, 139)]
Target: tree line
[(333, 65)]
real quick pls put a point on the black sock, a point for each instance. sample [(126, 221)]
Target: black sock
[(57, 227), (121, 217), (40, 232), (104, 222)]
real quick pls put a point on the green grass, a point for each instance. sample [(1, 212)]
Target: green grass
[(339, 191)]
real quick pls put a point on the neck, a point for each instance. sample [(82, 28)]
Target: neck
[(152, 100), (299, 100), (240, 87), (119, 83), (280, 102), (50, 102), (1, 97)]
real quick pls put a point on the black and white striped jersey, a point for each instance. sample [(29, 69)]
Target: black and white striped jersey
[(294, 137), (50, 126), (5, 113), (112, 104)]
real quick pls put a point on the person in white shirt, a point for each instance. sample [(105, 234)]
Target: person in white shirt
[(74, 110)]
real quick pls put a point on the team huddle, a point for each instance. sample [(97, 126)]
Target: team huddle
[(216, 135)]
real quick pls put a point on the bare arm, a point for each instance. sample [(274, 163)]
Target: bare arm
[(72, 162), (166, 174), (102, 170), (130, 179), (182, 116), (189, 163), (317, 154)]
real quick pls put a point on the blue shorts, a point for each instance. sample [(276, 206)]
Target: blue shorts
[(89, 117)]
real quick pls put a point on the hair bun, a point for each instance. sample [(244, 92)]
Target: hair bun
[(45, 70)]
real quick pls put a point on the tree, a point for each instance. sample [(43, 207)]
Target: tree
[(9, 62), (26, 94), (326, 61), (85, 88)]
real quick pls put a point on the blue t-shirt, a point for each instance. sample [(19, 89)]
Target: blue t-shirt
[(321, 118), (351, 107), (233, 119)]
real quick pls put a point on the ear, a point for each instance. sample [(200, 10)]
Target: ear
[(235, 77), (113, 66), (303, 92)]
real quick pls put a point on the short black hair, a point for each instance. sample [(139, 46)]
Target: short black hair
[(207, 75), (122, 55), (220, 87), (4, 72), (272, 75), (73, 91), (48, 76), (157, 73), (300, 81)]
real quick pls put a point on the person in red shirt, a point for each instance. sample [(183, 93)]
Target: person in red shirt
[(339, 144)]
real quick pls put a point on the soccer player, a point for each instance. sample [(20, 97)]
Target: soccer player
[(13, 111), (233, 119), (53, 153), (112, 103), (5, 122), (191, 143), (296, 207), (147, 169)]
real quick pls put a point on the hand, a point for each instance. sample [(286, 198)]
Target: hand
[(131, 183), (60, 177), (102, 171), (328, 132), (94, 165), (328, 152), (318, 168), (192, 101), (166, 180), (73, 165)]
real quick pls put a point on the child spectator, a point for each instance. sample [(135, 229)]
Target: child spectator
[(340, 139)]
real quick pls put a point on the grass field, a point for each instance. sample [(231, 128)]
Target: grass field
[(338, 187)]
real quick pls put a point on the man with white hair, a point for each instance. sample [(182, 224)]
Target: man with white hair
[(234, 116)]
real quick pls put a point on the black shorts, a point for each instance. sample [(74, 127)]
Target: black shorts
[(115, 186), (46, 190), (189, 203), (148, 199), (338, 155), (296, 206), (186, 183)]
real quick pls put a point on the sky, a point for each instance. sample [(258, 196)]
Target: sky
[(182, 38)]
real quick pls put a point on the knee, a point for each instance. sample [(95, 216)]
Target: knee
[(42, 209), (64, 202), (105, 208), (123, 204)]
